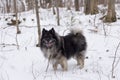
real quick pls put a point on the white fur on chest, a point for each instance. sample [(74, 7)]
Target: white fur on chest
[(49, 52)]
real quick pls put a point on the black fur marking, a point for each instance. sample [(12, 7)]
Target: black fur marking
[(74, 44)]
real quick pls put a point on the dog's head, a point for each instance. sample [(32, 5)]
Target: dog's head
[(49, 38)]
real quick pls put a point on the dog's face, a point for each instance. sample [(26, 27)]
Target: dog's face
[(48, 38)]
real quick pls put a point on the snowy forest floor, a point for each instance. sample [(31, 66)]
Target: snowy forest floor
[(28, 62)]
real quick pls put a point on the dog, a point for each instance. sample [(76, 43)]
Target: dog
[(59, 49)]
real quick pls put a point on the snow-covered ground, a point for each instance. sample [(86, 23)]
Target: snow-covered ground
[(28, 63)]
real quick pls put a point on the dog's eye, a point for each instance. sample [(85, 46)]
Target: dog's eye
[(44, 41)]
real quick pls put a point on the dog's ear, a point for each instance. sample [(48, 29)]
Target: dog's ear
[(52, 30), (44, 30)]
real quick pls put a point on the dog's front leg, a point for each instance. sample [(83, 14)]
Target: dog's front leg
[(55, 66), (80, 61), (63, 63)]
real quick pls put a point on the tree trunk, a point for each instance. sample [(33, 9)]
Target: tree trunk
[(49, 3), (16, 14), (57, 8), (7, 7), (118, 1), (90, 6), (29, 4), (60, 3), (69, 3), (53, 6), (76, 5), (111, 14), (81, 3), (87, 7), (104, 2), (94, 8), (38, 22), (23, 6)]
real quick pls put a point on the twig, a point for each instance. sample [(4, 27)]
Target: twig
[(94, 21), (117, 62), (7, 76), (33, 72), (113, 64), (104, 30), (17, 42), (47, 66), (35, 76), (99, 75), (48, 63), (3, 44)]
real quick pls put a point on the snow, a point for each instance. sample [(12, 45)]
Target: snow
[(28, 62)]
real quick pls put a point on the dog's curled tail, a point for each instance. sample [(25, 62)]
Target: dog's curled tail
[(76, 31)]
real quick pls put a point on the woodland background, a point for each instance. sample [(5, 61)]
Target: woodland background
[(21, 23)]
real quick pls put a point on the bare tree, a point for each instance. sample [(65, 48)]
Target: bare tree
[(23, 6), (29, 4), (38, 22), (81, 3), (49, 3), (42, 3), (69, 3), (104, 2), (87, 7), (45, 3), (111, 14), (60, 3), (53, 6), (16, 14), (117, 1), (57, 8), (91, 6), (7, 6), (76, 5)]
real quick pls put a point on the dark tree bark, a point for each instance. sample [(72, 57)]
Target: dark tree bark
[(104, 2), (7, 6), (76, 5), (16, 15), (117, 1), (29, 4), (87, 7), (57, 8), (53, 6), (91, 6), (60, 3), (69, 3), (23, 6), (38, 22), (81, 3), (49, 3), (111, 14)]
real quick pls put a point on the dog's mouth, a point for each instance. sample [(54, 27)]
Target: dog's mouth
[(49, 44)]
